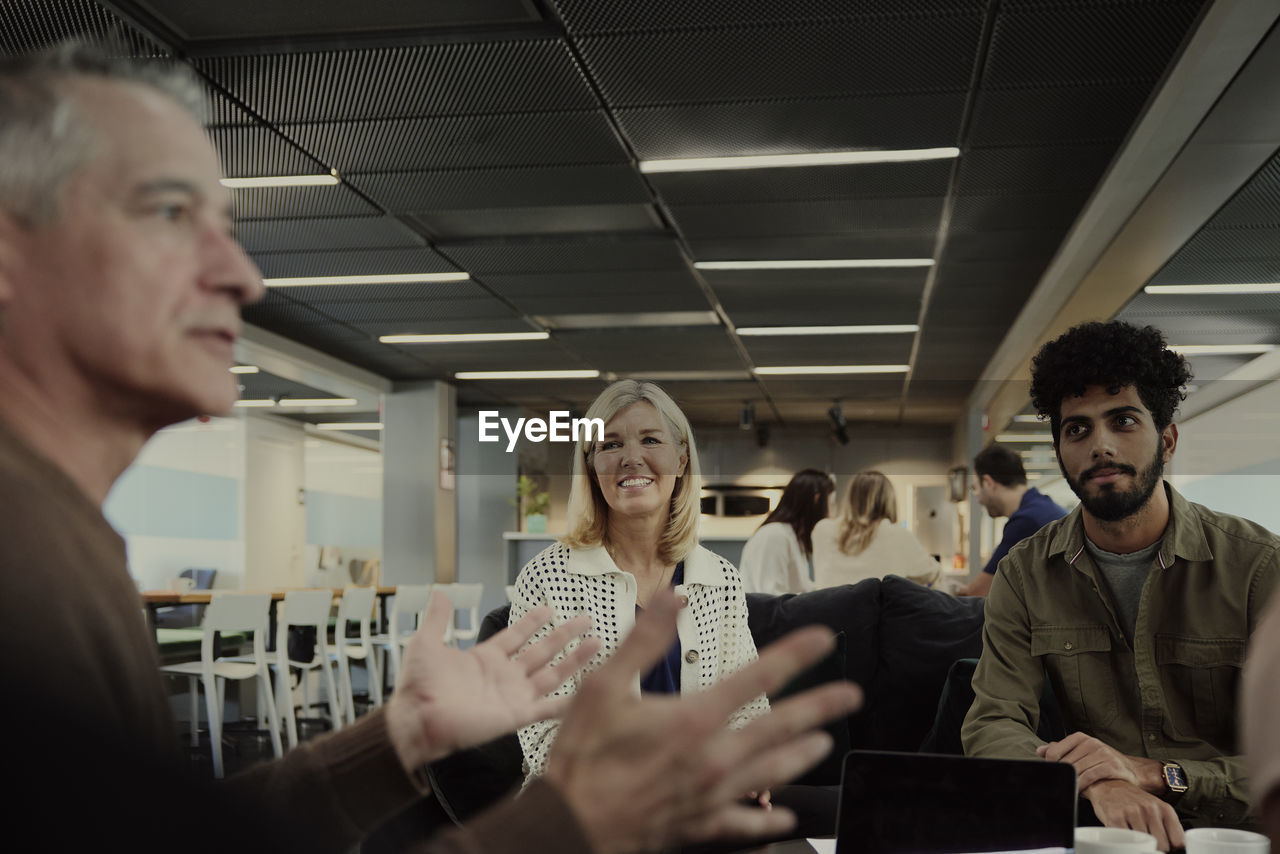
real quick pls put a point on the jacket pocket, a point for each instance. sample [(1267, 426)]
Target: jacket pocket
[(1077, 660), (1201, 679)]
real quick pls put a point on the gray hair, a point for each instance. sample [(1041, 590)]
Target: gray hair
[(43, 140)]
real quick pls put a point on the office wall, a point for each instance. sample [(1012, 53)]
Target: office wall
[(343, 489), (180, 504)]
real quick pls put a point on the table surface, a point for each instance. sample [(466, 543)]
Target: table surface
[(202, 597)]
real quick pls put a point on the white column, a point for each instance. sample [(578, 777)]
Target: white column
[(418, 505)]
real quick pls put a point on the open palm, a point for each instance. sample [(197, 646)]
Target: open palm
[(448, 699)]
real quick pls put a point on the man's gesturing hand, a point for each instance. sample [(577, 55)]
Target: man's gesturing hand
[(1120, 804), (448, 699), (1094, 761), (644, 773)]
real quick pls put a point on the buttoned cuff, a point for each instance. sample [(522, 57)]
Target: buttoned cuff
[(1207, 795)]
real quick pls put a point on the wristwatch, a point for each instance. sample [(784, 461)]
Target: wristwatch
[(1175, 778)]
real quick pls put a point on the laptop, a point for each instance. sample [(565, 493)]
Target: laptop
[(920, 803)]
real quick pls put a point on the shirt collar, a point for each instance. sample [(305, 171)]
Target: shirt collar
[(700, 565), (1183, 537)]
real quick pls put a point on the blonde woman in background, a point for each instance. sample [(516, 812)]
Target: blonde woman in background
[(633, 530), (865, 540)]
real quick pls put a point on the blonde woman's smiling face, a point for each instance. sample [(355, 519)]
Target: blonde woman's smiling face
[(637, 462)]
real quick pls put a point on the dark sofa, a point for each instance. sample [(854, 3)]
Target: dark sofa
[(899, 642)]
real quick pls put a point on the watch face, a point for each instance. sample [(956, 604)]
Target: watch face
[(1174, 776)]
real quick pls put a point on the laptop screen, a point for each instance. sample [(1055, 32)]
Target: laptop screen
[(918, 803)]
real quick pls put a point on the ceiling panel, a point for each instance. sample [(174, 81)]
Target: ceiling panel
[(549, 219), (569, 256), (410, 192), (318, 234), (908, 227), (350, 262), (653, 349), (277, 202), (805, 183), (830, 349)]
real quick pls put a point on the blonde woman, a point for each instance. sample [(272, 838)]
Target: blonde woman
[(633, 530), (865, 540)]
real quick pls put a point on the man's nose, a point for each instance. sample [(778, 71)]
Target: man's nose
[(227, 267)]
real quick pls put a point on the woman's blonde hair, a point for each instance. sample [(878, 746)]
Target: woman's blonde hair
[(869, 499), (588, 512)]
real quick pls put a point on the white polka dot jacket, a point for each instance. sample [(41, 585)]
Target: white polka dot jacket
[(714, 637)]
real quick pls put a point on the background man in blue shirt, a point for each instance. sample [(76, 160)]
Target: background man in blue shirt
[(1000, 485)]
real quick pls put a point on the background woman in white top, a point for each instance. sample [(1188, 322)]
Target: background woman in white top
[(776, 558), (865, 541)]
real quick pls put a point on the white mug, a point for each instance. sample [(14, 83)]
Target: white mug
[(1225, 840), (1113, 840)]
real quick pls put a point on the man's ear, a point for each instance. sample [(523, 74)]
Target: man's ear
[(1169, 438)]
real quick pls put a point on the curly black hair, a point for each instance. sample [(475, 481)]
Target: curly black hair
[(1112, 355)]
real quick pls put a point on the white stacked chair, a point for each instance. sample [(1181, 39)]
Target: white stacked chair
[(465, 598), (356, 606), (304, 608), (409, 599), (230, 612)]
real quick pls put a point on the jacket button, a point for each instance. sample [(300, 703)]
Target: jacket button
[(684, 601), (691, 656), (1067, 645)]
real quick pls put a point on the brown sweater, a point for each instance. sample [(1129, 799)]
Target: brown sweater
[(92, 738)]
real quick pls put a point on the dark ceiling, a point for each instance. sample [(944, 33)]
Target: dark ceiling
[(502, 137)]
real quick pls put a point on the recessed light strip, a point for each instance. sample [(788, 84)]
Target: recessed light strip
[(776, 161), (243, 369), (783, 370), (1024, 437), (815, 264), (300, 402), (526, 375), (349, 425), (390, 279), (1221, 349), (464, 338), (280, 181), (1188, 290), (255, 403), (885, 329)]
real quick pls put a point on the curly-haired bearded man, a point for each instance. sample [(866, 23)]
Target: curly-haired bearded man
[(1137, 606)]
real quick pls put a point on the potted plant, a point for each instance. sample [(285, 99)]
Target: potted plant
[(533, 502)]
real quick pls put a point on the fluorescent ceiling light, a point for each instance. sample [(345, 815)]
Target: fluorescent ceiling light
[(1262, 288), (779, 370), (686, 376), (350, 425), (243, 369), (815, 264), (629, 320), (280, 181), (1221, 349), (255, 403), (1024, 437), (391, 279), (526, 375), (299, 402), (1027, 419), (884, 329), (464, 337), (775, 161)]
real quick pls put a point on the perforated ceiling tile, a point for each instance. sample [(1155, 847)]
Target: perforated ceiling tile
[(277, 202), (1213, 245), (924, 120), (351, 262), (1186, 272), (1257, 204), (1206, 305), (841, 58), (582, 256), (1053, 116), (452, 326), (869, 181), (251, 152), (324, 233), (851, 388), (762, 248), (1017, 211), (408, 192), (549, 219), (594, 16), (831, 349), (1032, 246), (276, 308), (909, 225), (619, 284), (1030, 170), (1045, 42), (653, 349), (456, 142), (870, 284), (497, 357), (34, 24), (436, 79), (610, 302), (407, 313)]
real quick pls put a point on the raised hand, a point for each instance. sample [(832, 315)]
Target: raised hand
[(448, 699), (641, 774)]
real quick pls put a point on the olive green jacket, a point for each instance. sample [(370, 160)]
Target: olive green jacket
[(1172, 695)]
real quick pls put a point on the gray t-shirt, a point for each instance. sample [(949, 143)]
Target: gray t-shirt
[(1125, 575)]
